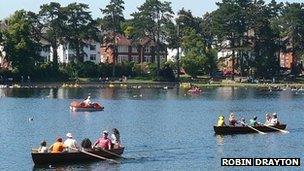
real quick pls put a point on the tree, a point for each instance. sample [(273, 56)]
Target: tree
[(19, 46), (151, 17), (195, 60), (229, 25), (292, 22), (112, 22), (264, 38), (80, 28), (52, 18), (113, 16)]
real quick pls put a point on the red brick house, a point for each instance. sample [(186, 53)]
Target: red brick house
[(131, 50)]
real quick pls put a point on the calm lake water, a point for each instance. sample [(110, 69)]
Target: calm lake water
[(161, 129)]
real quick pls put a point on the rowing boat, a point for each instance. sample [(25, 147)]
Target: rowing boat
[(73, 157), (245, 129)]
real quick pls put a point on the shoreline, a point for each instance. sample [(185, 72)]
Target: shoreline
[(150, 84)]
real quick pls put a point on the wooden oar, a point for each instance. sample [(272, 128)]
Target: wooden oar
[(109, 152), (94, 155), (254, 128), (283, 131)]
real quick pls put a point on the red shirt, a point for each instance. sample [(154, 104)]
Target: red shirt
[(104, 143)]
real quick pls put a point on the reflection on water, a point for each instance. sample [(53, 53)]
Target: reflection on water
[(162, 129)]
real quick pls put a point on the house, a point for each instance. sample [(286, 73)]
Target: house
[(66, 54), (128, 50)]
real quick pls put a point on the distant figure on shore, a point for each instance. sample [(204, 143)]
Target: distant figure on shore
[(58, 146), (232, 119), (43, 148), (221, 121), (253, 122), (104, 142)]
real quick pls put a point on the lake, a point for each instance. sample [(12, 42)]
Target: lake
[(162, 129)]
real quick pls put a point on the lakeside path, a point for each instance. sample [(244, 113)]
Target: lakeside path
[(150, 84)]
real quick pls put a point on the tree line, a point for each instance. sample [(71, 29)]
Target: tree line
[(253, 31)]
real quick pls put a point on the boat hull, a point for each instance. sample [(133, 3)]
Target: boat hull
[(244, 130), (79, 106), (45, 159)]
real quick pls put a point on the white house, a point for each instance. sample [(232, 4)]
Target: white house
[(66, 54)]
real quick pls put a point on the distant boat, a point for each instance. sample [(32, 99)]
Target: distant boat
[(80, 106), (245, 129), (194, 91), (46, 159)]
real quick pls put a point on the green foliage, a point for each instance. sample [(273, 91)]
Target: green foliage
[(166, 73), (113, 16), (52, 19), (198, 58), (80, 27), (193, 64), (18, 43)]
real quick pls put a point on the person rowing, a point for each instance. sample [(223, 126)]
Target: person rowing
[(253, 122), (274, 120), (232, 119), (267, 119), (221, 121)]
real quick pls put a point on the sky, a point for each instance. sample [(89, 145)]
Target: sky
[(198, 7)]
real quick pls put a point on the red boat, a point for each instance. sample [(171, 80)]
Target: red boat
[(194, 91), (81, 106)]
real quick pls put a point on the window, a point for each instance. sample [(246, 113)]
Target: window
[(92, 57), (92, 47)]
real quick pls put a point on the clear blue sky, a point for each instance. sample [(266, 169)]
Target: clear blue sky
[(198, 7)]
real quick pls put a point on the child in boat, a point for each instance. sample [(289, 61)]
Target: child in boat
[(43, 148), (232, 119), (221, 121), (115, 138)]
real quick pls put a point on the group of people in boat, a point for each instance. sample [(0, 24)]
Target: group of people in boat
[(270, 120), (70, 144)]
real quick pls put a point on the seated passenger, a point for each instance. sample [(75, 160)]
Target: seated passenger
[(43, 148), (70, 143), (104, 142), (87, 101), (274, 120), (243, 122), (232, 120), (116, 138), (86, 144), (267, 119), (58, 146), (221, 121), (253, 122)]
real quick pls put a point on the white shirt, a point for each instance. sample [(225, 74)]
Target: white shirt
[(273, 121), (42, 149), (87, 101), (70, 143)]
